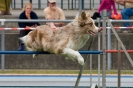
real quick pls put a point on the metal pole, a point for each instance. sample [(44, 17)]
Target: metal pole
[(93, 4), (75, 4), (90, 69), (31, 1), (2, 47), (109, 48), (80, 6), (70, 20), (39, 4), (11, 5), (121, 20), (14, 4), (90, 4), (72, 4), (68, 4), (21, 3), (119, 65), (47, 3), (61, 4), (98, 20), (104, 49), (118, 6), (35, 20)]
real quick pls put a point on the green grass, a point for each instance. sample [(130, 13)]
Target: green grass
[(36, 71)]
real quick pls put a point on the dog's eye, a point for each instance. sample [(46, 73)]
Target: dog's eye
[(82, 24), (90, 24)]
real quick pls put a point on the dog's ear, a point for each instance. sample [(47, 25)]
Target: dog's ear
[(83, 15), (88, 14)]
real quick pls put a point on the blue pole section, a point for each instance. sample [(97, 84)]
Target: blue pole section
[(35, 52)]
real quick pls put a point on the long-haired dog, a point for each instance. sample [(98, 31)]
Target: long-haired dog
[(66, 40)]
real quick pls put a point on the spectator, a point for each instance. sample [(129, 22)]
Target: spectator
[(5, 7), (126, 12), (107, 5), (26, 14), (52, 12)]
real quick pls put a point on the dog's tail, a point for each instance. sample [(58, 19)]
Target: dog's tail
[(23, 39)]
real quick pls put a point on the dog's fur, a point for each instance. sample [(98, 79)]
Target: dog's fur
[(66, 40)]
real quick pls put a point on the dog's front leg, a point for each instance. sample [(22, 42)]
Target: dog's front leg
[(74, 55), (30, 49)]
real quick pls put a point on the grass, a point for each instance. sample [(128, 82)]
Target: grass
[(36, 71)]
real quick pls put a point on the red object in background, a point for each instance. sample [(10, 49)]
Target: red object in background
[(112, 15), (117, 17)]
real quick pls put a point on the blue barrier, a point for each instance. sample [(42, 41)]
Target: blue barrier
[(35, 52)]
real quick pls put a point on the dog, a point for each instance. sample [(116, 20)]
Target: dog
[(66, 40)]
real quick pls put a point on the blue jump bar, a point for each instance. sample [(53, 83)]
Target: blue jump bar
[(35, 52)]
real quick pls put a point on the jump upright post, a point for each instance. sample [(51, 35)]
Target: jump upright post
[(99, 41), (104, 49), (2, 45)]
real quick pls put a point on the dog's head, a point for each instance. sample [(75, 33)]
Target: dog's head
[(87, 24)]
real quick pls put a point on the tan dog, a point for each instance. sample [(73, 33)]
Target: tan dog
[(65, 41)]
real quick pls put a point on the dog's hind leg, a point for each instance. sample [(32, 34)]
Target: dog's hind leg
[(74, 55)]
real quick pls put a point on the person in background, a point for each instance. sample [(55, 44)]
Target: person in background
[(126, 12), (107, 5), (52, 12), (5, 7), (26, 14)]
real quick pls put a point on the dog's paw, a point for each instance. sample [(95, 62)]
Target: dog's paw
[(34, 55), (81, 61)]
